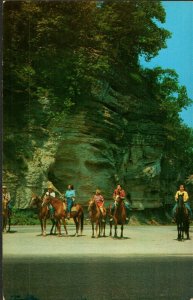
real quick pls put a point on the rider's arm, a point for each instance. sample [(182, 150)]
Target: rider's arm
[(73, 196), (102, 199), (185, 197), (176, 196)]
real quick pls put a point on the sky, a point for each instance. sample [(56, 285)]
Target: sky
[(179, 52)]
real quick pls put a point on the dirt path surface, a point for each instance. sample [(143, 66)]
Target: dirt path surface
[(147, 264), (26, 241)]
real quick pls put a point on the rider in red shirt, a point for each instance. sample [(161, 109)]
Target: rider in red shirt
[(99, 199), (119, 191)]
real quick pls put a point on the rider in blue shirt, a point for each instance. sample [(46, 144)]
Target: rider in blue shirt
[(70, 198)]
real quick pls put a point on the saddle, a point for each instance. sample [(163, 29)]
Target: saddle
[(73, 208)]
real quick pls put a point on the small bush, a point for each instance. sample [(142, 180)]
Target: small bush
[(24, 217)]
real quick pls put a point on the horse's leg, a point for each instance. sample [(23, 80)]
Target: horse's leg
[(77, 227), (41, 224), (79, 224), (82, 221), (59, 228), (97, 229), (65, 228), (111, 225), (4, 226), (100, 227), (9, 223), (104, 225), (115, 235), (183, 231), (53, 224), (44, 227), (178, 229), (121, 230), (92, 229)]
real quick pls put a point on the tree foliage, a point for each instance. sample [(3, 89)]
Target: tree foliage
[(56, 52)]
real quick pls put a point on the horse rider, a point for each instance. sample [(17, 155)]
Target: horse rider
[(119, 192), (99, 200), (184, 194), (70, 196), (6, 197), (50, 192)]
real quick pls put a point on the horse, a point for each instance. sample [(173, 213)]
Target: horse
[(97, 218), (182, 219), (6, 214), (119, 216), (60, 214), (43, 214)]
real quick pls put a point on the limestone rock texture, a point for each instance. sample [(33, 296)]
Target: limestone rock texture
[(112, 139)]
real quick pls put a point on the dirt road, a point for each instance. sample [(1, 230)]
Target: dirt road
[(147, 264)]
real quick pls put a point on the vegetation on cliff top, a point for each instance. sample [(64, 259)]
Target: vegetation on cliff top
[(56, 53)]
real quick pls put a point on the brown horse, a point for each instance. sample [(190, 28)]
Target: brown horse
[(119, 216), (6, 214), (97, 218), (43, 214), (60, 214)]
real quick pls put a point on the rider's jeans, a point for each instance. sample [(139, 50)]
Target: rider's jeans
[(69, 204)]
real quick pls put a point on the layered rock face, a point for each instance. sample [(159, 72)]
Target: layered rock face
[(106, 141)]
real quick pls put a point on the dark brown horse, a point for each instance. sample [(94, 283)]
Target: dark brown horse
[(60, 214), (43, 214), (182, 219), (6, 214), (118, 216), (97, 218)]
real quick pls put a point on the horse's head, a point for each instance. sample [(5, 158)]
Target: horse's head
[(35, 200), (91, 204), (46, 200), (119, 200), (180, 201)]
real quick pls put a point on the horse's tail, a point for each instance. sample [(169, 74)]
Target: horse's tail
[(82, 221)]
